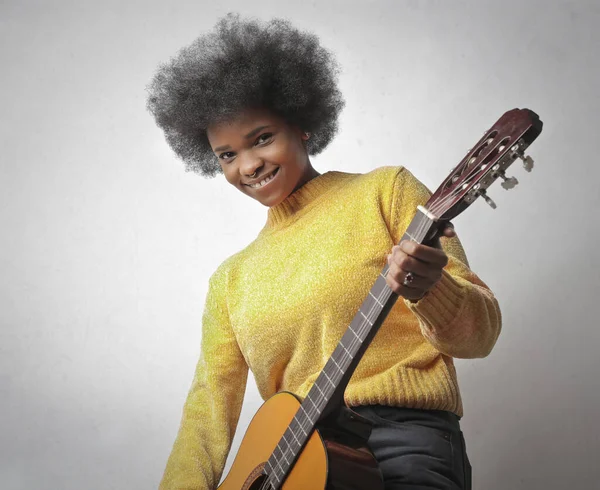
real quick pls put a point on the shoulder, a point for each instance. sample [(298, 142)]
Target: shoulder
[(392, 184), (219, 278), (228, 271), (388, 187), (380, 178), (391, 178), (398, 177), (379, 174)]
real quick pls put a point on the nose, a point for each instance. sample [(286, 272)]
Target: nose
[(250, 165)]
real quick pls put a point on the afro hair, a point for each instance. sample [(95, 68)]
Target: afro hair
[(242, 64)]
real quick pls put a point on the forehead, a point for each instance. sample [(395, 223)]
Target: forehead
[(241, 124)]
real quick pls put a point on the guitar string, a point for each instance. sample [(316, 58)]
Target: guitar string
[(363, 328), (439, 204)]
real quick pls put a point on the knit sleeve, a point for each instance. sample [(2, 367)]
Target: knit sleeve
[(460, 315), (213, 404)]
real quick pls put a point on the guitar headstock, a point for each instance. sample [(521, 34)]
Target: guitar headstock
[(487, 161)]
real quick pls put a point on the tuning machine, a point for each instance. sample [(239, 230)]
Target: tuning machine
[(527, 162), (509, 182), (518, 152), (487, 198)]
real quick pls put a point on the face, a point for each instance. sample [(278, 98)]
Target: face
[(262, 155)]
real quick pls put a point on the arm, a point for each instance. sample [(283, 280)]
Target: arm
[(214, 401), (459, 315)]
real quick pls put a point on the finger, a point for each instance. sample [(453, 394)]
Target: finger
[(423, 275), (418, 285), (424, 253), (408, 292), (449, 231), (400, 263)]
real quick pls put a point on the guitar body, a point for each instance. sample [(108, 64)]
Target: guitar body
[(335, 457)]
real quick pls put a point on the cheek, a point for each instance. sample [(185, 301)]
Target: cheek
[(274, 153), (286, 155), (229, 175)]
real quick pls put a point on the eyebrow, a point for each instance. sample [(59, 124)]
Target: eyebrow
[(249, 135)]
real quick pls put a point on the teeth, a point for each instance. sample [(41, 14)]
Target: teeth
[(263, 182)]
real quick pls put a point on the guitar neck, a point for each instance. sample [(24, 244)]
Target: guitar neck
[(327, 392)]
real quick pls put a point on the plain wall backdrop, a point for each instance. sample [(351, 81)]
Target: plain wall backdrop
[(107, 244)]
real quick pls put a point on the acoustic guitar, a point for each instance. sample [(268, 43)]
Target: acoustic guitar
[(319, 443)]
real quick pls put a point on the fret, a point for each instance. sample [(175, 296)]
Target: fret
[(299, 424), (329, 379), (376, 300), (301, 428), (347, 351), (305, 412), (281, 451), (278, 461), (338, 366), (286, 441), (385, 293), (380, 284), (319, 388), (275, 475), (366, 319), (314, 404), (352, 330), (297, 440)]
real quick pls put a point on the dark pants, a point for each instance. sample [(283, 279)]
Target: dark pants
[(418, 449)]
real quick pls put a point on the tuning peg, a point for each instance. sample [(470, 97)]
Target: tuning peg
[(509, 182), (487, 199), (527, 162)]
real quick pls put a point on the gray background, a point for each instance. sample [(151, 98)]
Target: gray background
[(107, 244)]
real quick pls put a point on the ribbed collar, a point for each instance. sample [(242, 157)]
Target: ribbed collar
[(284, 212)]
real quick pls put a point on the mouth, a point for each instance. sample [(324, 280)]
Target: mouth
[(265, 181)]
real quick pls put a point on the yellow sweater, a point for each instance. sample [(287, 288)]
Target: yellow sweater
[(281, 305)]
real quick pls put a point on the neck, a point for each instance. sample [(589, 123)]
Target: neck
[(289, 209), (309, 174)]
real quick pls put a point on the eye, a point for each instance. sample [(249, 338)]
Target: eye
[(264, 138), (227, 155)]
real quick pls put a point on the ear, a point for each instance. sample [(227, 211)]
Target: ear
[(304, 135)]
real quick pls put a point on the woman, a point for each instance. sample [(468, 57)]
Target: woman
[(253, 101)]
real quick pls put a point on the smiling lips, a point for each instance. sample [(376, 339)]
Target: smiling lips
[(264, 181)]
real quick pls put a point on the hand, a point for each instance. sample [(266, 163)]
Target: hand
[(424, 262)]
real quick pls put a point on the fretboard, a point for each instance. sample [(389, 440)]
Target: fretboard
[(328, 390)]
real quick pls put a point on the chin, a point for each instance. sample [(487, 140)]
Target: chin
[(271, 201)]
